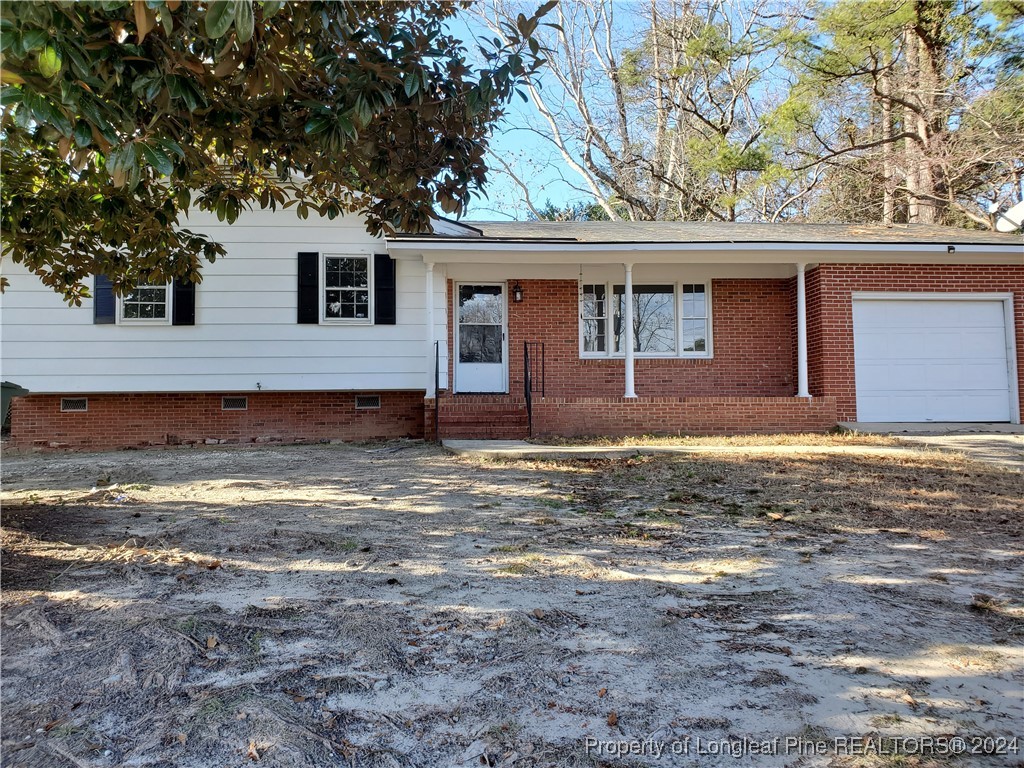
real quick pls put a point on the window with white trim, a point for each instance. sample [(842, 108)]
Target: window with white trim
[(594, 326), (146, 304), (694, 319), (669, 320), (346, 288)]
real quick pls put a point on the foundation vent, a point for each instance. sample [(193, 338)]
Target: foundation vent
[(234, 403), (367, 402), (74, 404)]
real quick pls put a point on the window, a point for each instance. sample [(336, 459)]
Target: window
[(347, 288), (695, 318), (654, 319), (669, 320), (146, 304), (593, 309)]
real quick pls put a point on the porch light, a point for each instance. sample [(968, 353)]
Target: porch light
[(517, 293)]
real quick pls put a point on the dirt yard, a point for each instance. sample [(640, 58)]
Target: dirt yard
[(391, 605)]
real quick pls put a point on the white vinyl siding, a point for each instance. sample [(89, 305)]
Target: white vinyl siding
[(245, 332)]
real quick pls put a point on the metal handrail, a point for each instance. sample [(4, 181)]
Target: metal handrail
[(437, 391), (533, 380), (528, 387)]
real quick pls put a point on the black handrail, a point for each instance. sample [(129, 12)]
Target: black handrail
[(528, 388), (437, 391), (534, 378)]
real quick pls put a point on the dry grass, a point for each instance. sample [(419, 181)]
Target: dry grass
[(332, 605)]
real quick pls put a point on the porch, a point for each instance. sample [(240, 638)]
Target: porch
[(547, 371)]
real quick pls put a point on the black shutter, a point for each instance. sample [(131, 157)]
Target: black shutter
[(383, 289), (183, 307), (309, 288), (104, 305)]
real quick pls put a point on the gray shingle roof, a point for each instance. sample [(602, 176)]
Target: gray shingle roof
[(733, 232)]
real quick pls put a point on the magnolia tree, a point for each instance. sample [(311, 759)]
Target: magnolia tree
[(118, 117)]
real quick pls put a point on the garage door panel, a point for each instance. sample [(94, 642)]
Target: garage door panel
[(981, 345), (924, 360)]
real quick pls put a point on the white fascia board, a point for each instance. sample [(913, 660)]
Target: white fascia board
[(752, 253)]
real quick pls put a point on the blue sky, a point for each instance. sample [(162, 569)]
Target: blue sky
[(517, 145)]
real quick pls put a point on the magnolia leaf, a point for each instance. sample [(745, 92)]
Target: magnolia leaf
[(10, 95), (220, 14), (145, 19), (32, 39), (48, 62), (271, 8), (244, 21), (83, 134), (10, 78), (157, 159)]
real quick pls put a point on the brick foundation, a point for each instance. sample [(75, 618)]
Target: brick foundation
[(682, 415), (138, 420), (830, 313)]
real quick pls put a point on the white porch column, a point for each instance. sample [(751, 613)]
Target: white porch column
[(628, 331), (801, 333), (428, 297)]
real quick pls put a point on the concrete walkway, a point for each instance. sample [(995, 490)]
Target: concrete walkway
[(1005, 450), (1000, 444), (520, 449)]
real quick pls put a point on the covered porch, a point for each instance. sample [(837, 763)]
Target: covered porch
[(523, 349)]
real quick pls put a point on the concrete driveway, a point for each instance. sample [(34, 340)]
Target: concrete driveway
[(1000, 444)]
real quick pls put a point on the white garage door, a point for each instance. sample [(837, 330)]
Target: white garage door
[(930, 360)]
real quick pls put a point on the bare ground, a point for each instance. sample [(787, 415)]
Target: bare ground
[(394, 606)]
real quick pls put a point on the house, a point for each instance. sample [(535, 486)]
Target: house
[(314, 330)]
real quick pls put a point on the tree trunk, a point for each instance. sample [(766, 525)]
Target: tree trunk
[(888, 195)]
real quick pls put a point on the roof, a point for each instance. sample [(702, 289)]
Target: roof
[(722, 232)]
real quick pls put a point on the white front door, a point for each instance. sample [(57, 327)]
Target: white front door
[(931, 360), (481, 354)]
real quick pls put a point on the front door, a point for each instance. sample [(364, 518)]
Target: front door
[(481, 354)]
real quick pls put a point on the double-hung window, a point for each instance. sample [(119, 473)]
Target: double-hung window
[(694, 319), (669, 320), (346, 289), (146, 304)]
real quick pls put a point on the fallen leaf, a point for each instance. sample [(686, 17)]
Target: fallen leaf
[(182, 738), (539, 613), (602, 693), (211, 641), (252, 754), (613, 718)]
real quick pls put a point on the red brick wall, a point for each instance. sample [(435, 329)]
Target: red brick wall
[(830, 313), (753, 335), (117, 421), (689, 415)]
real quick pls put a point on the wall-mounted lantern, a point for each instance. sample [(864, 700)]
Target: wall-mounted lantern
[(517, 293)]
